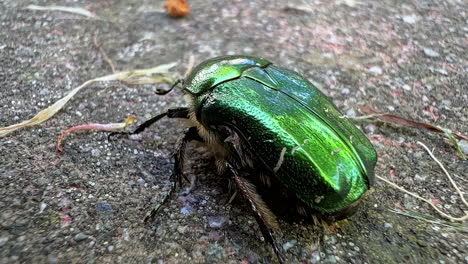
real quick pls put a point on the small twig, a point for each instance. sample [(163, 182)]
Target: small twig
[(423, 199), (103, 53), (463, 218), (428, 220), (190, 64), (445, 171), (74, 10)]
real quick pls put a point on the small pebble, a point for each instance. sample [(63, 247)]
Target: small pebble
[(463, 146), (95, 152), (388, 225), (419, 178), (289, 245), (441, 71), (44, 91), (42, 207), (315, 257), (406, 87), (141, 182), (217, 221), (52, 259), (80, 237), (376, 70), (410, 19), (182, 229), (431, 53), (3, 240), (103, 207), (185, 210), (351, 113), (370, 128)]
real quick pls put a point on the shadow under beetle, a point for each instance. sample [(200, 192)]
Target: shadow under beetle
[(270, 127)]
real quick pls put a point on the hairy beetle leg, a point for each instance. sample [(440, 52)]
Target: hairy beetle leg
[(191, 134), (176, 177), (265, 218)]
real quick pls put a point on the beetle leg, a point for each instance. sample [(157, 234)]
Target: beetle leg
[(179, 158), (178, 112), (265, 218)]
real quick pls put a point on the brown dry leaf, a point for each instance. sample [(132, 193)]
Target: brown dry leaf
[(177, 8), (389, 118)]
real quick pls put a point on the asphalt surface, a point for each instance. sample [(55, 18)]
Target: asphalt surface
[(86, 206)]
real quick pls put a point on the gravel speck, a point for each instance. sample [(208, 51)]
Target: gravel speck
[(185, 210), (315, 257), (95, 152), (141, 182), (441, 71), (410, 19), (3, 240), (406, 87), (42, 207), (289, 244), (431, 53), (370, 128), (463, 146), (217, 221), (44, 91), (182, 229), (104, 207), (351, 113), (376, 70), (80, 237)]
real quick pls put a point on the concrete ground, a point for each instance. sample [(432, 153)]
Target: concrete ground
[(404, 57)]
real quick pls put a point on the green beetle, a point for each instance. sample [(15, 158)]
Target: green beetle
[(269, 126)]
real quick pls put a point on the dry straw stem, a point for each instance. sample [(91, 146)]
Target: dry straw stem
[(103, 53), (158, 74), (430, 219), (74, 10), (190, 65), (463, 218), (445, 171)]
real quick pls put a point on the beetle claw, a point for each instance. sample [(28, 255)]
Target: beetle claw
[(152, 214), (193, 185), (109, 137)]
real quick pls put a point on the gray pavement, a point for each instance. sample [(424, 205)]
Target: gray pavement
[(404, 57)]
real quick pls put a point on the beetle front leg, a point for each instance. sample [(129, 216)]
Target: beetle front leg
[(179, 159), (178, 112), (265, 218)]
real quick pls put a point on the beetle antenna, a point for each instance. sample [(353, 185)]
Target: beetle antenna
[(160, 91)]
